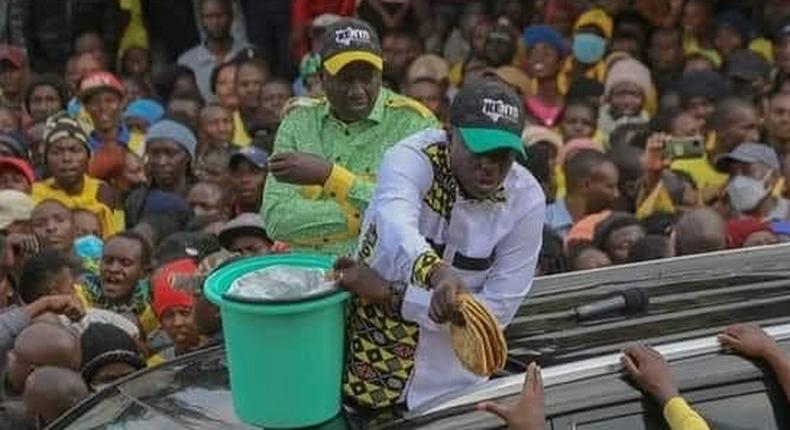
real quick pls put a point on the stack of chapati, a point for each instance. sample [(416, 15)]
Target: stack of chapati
[(479, 344)]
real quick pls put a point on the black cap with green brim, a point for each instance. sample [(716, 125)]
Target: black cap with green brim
[(489, 117)]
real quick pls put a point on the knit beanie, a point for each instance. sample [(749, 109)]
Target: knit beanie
[(63, 126), (628, 70), (165, 294), (17, 142), (535, 34), (175, 131), (146, 109), (102, 344)]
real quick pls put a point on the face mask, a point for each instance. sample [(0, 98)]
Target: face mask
[(745, 193), (89, 246), (588, 48)]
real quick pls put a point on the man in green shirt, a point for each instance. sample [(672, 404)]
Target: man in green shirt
[(327, 151)]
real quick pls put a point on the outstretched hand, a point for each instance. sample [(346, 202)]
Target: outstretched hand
[(528, 412), (650, 372), (748, 340)]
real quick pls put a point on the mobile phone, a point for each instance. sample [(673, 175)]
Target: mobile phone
[(684, 147)]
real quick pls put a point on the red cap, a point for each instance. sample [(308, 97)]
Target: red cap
[(20, 166), (165, 295), (12, 53), (98, 81), (739, 229)]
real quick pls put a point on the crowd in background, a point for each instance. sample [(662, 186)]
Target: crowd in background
[(135, 144)]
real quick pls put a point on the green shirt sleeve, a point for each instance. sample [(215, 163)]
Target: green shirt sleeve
[(288, 213)]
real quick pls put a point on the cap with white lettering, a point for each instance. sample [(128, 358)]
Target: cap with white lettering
[(489, 116), (350, 40)]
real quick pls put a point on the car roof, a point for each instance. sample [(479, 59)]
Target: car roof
[(193, 391), (690, 297)]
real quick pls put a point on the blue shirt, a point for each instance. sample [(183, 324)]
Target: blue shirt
[(558, 218), (123, 138)]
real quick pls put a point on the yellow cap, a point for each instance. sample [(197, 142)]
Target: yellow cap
[(598, 18)]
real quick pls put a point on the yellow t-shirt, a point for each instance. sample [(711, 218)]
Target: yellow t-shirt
[(240, 136), (88, 200)]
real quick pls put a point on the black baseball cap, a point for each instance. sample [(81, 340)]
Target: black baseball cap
[(350, 40), (489, 116)]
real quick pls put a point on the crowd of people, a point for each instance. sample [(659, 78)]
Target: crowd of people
[(143, 143)]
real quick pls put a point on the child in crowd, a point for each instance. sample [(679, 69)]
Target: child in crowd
[(86, 223), (589, 257), (579, 120), (53, 225), (108, 354), (121, 285), (628, 93)]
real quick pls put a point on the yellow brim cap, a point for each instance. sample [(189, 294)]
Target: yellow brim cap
[(336, 63)]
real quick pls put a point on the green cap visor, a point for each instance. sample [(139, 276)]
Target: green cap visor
[(481, 140)]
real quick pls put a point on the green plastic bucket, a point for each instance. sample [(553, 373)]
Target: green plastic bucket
[(285, 360)]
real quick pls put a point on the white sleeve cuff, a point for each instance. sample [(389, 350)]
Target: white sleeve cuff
[(416, 303)]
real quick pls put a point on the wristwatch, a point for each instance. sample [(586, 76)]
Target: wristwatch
[(397, 293)]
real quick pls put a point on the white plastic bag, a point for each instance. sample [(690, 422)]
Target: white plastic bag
[(281, 283)]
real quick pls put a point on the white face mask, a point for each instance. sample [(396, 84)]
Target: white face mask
[(746, 193)]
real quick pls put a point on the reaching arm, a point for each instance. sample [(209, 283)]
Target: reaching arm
[(510, 278), (751, 341), (394, 246), (648, 369), (12, 322)]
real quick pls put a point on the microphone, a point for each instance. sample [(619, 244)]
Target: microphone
[(630, 301)]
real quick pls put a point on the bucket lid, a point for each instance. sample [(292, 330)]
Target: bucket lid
[(281, 284)]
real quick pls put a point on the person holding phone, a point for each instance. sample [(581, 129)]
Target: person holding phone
[(661, 189)]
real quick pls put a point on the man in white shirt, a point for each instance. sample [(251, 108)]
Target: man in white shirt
[(451, 212)]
